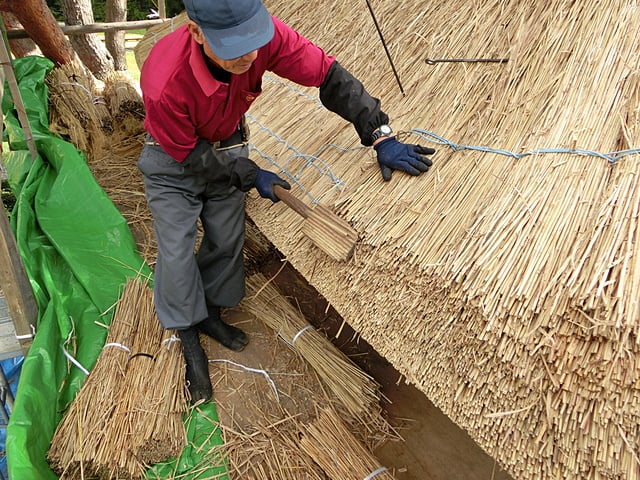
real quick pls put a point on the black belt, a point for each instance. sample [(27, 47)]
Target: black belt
[(238, 138)]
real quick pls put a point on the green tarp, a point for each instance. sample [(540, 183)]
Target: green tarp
[(78, 252)]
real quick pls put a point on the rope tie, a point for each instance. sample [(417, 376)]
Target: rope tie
[(297, 335), (375, 473), (67, 354), (610, 157), (253, 370), (117, 345), (170, 341), (27, 336)]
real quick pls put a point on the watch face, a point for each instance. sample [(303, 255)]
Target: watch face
[(385, 129)]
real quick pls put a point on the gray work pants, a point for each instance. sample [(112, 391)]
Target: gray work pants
[(186, 282)]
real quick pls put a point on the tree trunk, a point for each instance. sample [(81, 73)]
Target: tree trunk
[(40, 24), (23, 46), (116, 11), (90, 49)]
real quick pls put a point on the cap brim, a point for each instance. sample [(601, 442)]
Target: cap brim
[(237, 41)]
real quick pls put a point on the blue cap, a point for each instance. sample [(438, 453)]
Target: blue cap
[(232, 28)]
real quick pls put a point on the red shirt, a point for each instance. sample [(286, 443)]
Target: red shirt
[(184, 102)]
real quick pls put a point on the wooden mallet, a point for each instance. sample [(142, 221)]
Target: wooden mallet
[(332, 234)]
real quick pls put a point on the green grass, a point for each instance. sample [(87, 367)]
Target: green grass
[(132, 66)]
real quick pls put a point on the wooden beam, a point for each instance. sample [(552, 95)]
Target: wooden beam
[(95, 27)]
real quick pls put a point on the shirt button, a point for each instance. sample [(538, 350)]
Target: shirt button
[(250, 98)]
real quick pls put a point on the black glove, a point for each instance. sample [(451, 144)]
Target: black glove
[(265, 181), (394, 155)]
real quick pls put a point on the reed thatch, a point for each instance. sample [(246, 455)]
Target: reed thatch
[(503, 284)]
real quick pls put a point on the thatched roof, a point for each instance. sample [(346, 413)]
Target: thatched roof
[(504, 283)]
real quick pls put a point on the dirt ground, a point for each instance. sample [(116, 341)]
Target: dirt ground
[(432, 447)]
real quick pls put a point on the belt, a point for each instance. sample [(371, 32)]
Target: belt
[(239, 138)]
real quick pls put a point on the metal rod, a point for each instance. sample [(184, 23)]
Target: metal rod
[(433, 61), (384, 44)]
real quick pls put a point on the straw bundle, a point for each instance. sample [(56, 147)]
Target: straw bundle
[(503, 286), (78, 433), (137, 402), (124, 103), (359, 393), (332, 446), (159, 428), (117, 433), (78, 111)]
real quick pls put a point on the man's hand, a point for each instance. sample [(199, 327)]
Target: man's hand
[(394, 155), (265, 181)]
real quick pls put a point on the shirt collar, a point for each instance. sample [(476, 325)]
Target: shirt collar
[(207, 82)]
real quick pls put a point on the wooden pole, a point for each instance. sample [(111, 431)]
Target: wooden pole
[(9, 74), (162, 10), (13, 279), (94, 28), (15, 285)]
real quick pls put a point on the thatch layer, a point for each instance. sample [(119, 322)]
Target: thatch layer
[(504, 282)]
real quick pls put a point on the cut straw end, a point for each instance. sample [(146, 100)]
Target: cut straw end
[(330, 233)]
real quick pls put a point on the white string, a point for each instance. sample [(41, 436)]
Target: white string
[(117, 345), (297, 335), (28, 335), (169, 341), (69, 356), (254, 370), (76, 84), (375, 473)]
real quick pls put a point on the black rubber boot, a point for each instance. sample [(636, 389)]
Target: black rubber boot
[(228, 335), (197, 374)]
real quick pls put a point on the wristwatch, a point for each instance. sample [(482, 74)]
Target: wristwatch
[(381, 131)]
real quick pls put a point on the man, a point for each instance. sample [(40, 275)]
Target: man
[(197, 84)]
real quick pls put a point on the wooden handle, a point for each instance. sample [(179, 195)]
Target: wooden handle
[(294, 202)]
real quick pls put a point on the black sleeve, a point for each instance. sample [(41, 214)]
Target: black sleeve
[(220, 167), (345, 95)]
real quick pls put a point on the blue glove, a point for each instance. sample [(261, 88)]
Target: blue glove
[(393, 155), (265, 181)]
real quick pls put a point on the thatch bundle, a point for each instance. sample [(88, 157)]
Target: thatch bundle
[(332, 446), (504, 282), (78, 109), (359, 392), (124, 102), (128, 414)]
